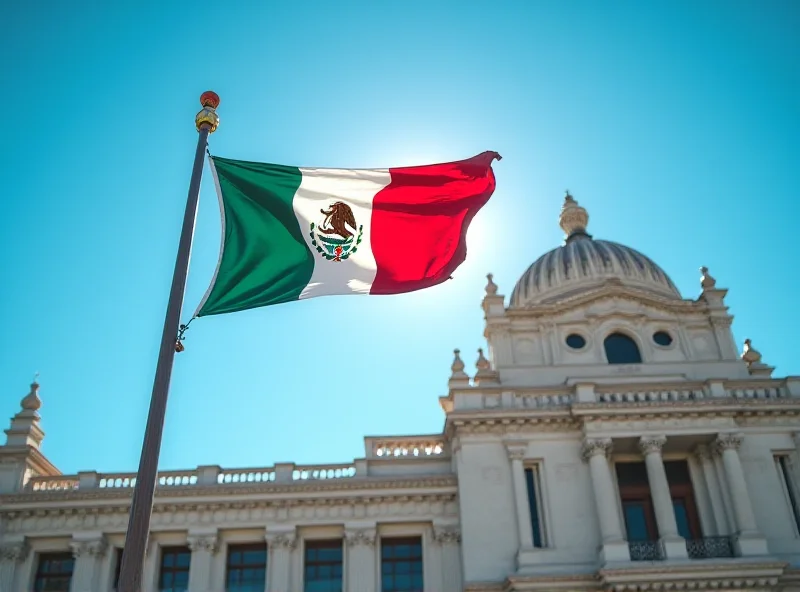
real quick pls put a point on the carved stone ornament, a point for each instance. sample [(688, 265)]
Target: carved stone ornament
[(728, 442), (282, 541), (491, 287), (206, 543), (357, 538), (446, 536), (13, 552), (89, 548), (596, 447), (516, 452), (652, 444)]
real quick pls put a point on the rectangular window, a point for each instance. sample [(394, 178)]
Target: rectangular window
[(246, 568), (401, 565), (323, 566), (535, 505), (789, 488), (54, 572), (174, 573), (117, 567)]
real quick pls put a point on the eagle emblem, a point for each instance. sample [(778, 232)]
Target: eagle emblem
[(337, 236)]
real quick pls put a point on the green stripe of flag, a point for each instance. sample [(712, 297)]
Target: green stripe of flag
[(264, 258)]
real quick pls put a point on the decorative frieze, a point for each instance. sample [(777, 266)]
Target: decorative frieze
[(232, 513)]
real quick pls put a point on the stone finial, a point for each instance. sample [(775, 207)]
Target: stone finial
[(707, 281), (482, 364), (752, 358), (31, 401), (458, 365), (750, 355), (491, 287), (573, 219)]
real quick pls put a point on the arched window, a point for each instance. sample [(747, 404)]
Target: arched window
[(621, 349)]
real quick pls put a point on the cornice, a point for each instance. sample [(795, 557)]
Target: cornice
[(554, 582), (213, 505), (742, 574), (387, 487), (727, 407), (511, 422), (572, 417)]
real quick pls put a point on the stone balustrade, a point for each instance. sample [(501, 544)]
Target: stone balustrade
[(202, 476), (407, 446), (650, 396)]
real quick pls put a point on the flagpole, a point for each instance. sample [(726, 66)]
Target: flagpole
[(130, 577)]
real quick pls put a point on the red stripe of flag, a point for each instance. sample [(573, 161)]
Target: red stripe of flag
[(420, 221)]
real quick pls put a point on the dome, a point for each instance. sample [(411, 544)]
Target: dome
[(583, 263)]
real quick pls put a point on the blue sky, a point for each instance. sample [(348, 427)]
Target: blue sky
[(674, 123)]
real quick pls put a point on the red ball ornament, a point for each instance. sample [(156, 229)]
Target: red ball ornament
[(209, 99)]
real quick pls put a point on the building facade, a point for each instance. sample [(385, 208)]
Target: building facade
[(613, 437)]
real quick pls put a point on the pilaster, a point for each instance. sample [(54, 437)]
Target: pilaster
[(11, 556), (516, 454), (88, 550), (204, 545), (281, 543), (449, 541), (717, 519), (360, 541), (749, 540)]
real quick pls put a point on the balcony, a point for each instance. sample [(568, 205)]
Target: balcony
[(710, 547), (646, 550)]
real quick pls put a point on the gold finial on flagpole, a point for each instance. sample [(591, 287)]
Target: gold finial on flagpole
[(208, 114)]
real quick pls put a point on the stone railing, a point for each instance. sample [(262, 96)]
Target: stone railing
[(263, 475), (650, 396), (407, 446), (309, 472), (690, 391), (760, 392), (202, 476), (543, 401), (59, 483)]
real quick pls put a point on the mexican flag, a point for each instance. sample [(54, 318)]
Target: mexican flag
[(290, 233)]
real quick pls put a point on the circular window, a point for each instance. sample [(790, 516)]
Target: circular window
[(576, 341), (662, 338)]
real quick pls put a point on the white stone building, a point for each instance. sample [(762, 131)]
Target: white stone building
[(614, 438)]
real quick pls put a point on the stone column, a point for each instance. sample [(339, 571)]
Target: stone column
[(11, 555), (449, 539), (204, 545), (280, 544), (360, 561), (719, 471), (674, 544), (516, 454), (595, 452), (749, 539), (719, 518), (88, 552)]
